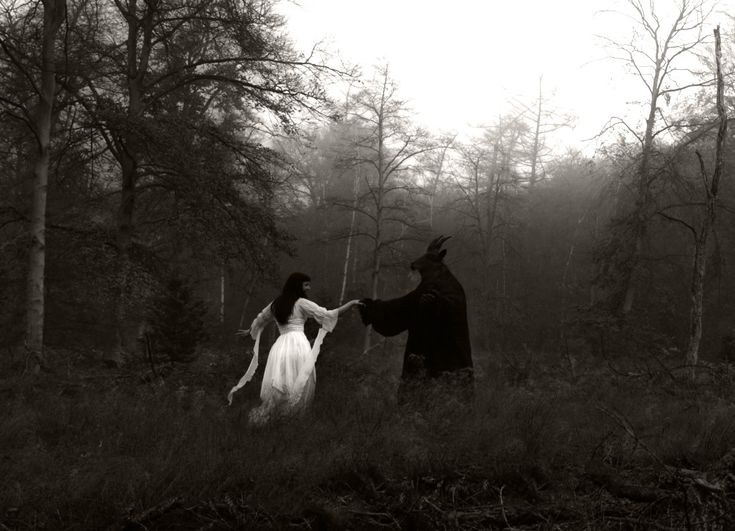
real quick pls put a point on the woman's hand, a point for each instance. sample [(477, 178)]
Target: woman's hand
[(348, 306), (242, 332)]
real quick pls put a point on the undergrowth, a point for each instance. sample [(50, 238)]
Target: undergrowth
[(89, 448)]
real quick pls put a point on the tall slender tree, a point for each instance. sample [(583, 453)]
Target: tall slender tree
[(656, 53), (40, 116), (487, 178), (388, 146), (711, 186)]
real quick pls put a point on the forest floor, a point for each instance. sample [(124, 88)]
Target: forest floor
[(625, 446)]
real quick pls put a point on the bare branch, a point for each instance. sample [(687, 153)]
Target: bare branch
[(679, 221)]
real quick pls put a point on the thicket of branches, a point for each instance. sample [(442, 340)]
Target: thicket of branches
[(165, 164), (178, 147)]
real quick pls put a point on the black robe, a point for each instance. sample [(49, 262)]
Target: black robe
[(435, 315)]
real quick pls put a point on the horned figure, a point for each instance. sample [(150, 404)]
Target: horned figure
[(435, 316)]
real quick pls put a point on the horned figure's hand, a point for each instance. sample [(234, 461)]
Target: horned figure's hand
[(363, 307), (242, 332)]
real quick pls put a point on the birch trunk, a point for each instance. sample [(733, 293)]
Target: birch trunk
[(379, 198), (348, 251), (375, 279)]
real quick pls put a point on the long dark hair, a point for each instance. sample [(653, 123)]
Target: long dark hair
[(293, 289)]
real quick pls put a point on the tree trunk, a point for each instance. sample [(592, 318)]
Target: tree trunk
[(697, 295), (375, 276), (665, 52), (493, 197), (643, 202), (222, 296), (699, 266), (53, 16), (128, 155), (379, 198), (435, 181), (348, 251), (124, 245), (536, 137)]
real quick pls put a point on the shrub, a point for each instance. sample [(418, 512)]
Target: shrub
[(176, 322)]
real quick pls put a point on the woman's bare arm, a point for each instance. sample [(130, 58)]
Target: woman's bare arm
[(342, 309)]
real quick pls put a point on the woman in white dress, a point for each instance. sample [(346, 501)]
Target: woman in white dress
[(289, 378)]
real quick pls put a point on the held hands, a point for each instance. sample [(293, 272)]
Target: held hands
[(347, 306)]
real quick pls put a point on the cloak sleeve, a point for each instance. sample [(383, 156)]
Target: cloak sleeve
[(391, 317)]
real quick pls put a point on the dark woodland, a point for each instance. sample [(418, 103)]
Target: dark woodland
[(164, 166)]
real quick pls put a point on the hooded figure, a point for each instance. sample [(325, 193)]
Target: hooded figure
[(435, 316)]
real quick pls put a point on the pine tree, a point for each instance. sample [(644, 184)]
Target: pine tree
[(176, 321)]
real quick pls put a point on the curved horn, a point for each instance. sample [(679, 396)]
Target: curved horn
[(436, 244)]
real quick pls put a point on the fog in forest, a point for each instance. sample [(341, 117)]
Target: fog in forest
[(166, 165)]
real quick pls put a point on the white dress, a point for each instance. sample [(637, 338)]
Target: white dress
[(289, 378)]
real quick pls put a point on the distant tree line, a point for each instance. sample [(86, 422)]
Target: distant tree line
[(185, 147)]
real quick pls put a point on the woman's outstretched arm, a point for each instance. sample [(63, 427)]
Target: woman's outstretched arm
[(342, 309)]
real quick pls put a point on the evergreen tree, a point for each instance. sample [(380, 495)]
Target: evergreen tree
[(176, 323)]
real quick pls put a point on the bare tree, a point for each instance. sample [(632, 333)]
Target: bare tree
[(353, 217), (40, 118), (543, 120), (655, 52), (387, 147), (225, 54), (711, 187), (435, 164), (486, 178)]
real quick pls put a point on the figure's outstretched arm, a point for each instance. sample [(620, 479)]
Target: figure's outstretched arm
[(391, 317)]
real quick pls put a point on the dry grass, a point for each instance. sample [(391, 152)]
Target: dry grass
[(89, 448)]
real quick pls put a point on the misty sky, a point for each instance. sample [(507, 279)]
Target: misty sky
[(460, 63)]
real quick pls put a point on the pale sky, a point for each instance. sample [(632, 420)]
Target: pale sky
[(460, 62)]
